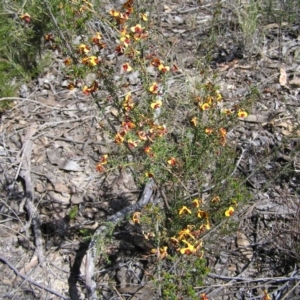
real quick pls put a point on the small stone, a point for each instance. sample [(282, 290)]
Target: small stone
[(75, 199)]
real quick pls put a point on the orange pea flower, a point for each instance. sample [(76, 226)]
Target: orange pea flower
[(137, 29), (103, 161), (93, 88), (68, 61), (149, 174), (128, 125), (226, 111), (126, 67), (208, 131), (172, 161), (223, 132), (147, 149), (26, 17), (96, 38), (204, 297)]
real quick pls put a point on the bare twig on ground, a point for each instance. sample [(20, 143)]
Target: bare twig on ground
[(246, 279), (101, 232), (29, 194), (4, 260)]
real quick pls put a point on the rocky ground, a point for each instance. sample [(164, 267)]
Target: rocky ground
[(51, 141)]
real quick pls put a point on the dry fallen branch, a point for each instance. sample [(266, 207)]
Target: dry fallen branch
[(4, 260), (29, 194), (101, 233)]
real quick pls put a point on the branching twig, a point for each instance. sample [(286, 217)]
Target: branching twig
[(4, 260), (101, 233), (29, 194)]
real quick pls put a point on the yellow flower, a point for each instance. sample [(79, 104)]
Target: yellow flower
[(161, 252), (196, 202), (83, 49), (204, 106), (119, 138), (202, 214), (128, 103), (142, 136), (144, 17), (163, 68), (194, 121), (219, 96), (215, 199), (156, 104), (242, 114), (114, 13), (209, 100), (207, 225), (227, 111), (185, 233), (153, 89), (132, 144), (91, 61), (189, 249), (136, 217), (184, 210), (229, 212)]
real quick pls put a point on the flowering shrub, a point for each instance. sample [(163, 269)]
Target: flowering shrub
[(187, 155)]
